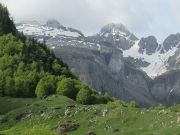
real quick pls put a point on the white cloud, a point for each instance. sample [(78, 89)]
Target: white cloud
[(175, 6)]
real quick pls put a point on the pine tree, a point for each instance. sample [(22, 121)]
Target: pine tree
[(6, 23)]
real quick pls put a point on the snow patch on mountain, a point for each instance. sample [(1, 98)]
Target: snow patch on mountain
[(157, 60), (42, 30), (148, 55), (115, 31)]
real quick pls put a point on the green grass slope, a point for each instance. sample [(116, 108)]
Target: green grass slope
[(42, 117), (7, 104)]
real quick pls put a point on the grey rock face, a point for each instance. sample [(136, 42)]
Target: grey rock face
[(166, 88), (115, 34), (75, 30), (53, 23), (148, 45), (171, 41), (137, 63), (106, 71), (115, 29), (116, 63), (118, 30), (174, 61)]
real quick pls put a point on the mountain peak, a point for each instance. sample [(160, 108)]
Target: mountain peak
[(115, 28), (171, 41), (53, 23)]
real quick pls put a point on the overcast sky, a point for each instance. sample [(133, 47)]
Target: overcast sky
[(142, 17)]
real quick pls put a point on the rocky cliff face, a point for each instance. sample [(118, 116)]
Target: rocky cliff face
[(148, 45), (116, 61), (166, 88), (172, 41), (106, 71), (116, 34), (52, 23)]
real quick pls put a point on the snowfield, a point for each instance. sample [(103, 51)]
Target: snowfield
[(29, 29), (157, 60)]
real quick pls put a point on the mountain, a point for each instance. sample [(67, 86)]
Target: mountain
[(146, 54), (117, 35), (52, 30), (113, 60), (153, 54), (106, 71), (166, 88)]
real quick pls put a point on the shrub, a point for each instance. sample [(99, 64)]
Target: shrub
[(132, 104), (84, 96), (118, 103), (46, 86), (66, 87), (98, 99)]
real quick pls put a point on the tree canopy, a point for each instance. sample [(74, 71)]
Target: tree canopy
[(6, 23)]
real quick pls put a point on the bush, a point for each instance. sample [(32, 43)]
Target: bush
[(46, 86), (159, 107), (175, 108), (84, 96), (98, 99), (119, 103), (66, 87), (9, 85), (132, 104)]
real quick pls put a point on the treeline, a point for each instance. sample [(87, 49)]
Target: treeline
[(6, 23), (30, 69)]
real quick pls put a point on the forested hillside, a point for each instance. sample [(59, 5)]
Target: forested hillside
[(6, 23), (29, 69)]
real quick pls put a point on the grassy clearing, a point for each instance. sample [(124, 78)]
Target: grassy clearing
[(43, 116), (7, 104)]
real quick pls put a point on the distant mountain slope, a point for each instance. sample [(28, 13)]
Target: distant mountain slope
[(48, 31), (114, 59), (155, 56), (107, 72), (115, 34)]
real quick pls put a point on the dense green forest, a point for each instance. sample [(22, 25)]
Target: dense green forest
[(29, 69), (6, 23)]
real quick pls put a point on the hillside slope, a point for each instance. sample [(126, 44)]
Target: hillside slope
[(57, 114)]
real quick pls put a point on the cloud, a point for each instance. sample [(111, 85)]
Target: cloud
[(143, 17), (175, 6)]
